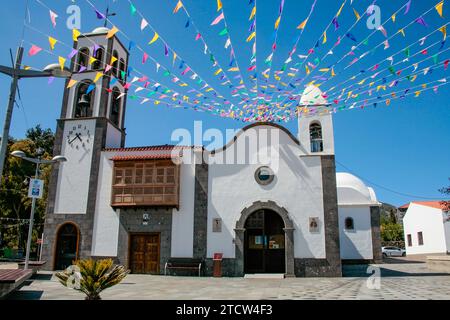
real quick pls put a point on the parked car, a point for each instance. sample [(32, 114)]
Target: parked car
[(393, 252)]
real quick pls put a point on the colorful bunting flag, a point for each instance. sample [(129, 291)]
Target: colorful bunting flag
[(144, 58), (71, 83), (178, 7), (155, 37), (251, 36), (356, 14), (218, 19), (253, 13), (112, 32), (408, 5), (144, 24), (53, 17), (34, 50), (75, 34), (72, 53), (219, 5), (303, 24), (277, 22), (443, 29), (62, 62), (439, 7), (132, 9)]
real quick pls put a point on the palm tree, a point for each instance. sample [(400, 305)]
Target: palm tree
[(92, 276)]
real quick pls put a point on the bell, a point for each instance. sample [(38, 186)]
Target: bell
[(84, 101)]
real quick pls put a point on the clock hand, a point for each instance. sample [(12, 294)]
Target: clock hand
[(78, 136), (70, 142)]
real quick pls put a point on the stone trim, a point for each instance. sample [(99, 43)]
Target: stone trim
[(331, 266), (375, 221), (288, 229), (200, 211), (130, 222)]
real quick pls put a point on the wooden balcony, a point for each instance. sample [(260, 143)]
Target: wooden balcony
[(145, 183)]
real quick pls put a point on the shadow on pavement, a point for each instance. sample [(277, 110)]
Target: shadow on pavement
[(385, 271), (25, 295), (402, 260)]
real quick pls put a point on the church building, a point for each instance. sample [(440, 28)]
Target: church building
[(141, 206)]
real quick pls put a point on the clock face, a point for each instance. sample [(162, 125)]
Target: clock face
[(79, 136)]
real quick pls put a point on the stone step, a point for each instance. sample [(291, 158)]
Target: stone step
[(264, 276)]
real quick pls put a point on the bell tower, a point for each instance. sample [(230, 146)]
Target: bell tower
[(92, 119), (315, 133)]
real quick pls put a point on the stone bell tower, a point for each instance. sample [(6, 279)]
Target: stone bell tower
[(92, 118)]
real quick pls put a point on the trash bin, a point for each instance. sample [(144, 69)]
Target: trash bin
[(217, 265)]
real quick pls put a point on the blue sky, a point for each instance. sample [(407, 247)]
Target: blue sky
[(404, 147)]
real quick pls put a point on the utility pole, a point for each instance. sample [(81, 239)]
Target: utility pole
[(9, 110)]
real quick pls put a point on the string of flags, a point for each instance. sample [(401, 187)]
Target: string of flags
[(275, 91)]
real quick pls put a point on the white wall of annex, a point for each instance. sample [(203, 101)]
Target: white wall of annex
[(183, 219), (429, 221), (357, 243)]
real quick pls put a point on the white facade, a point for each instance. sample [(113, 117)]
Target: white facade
[(297, 187), (354, 202), (106, 222), (428, 219)]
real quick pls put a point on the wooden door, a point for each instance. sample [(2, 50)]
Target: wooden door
[(144, 253)]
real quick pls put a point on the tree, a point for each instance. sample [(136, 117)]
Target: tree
[(15, 206), (445, 203), (390, 229)]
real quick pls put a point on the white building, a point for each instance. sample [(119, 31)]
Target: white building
[(268, 201), (426, 228)]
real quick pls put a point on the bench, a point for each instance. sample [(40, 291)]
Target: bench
[(34, 266), (183, 264), (11, 279)]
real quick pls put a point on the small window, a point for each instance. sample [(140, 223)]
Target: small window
[(420, 238), (122, 71), (84, 102), (315, 133), (409, 240), (115, 64), (83, 59), (264, 176), (98, 55), (349, 224), (114, 114)]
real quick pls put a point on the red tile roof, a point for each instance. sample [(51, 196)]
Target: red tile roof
[(433, 204), (159, 156), (164, 147)]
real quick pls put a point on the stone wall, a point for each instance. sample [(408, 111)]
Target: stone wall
[(131, 221)]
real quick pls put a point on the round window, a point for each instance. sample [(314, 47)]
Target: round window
[(264, 175)]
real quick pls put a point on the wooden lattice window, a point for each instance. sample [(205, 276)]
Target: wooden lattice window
[(145, 183)]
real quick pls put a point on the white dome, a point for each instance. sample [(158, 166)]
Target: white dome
[(351, 190), (100, 30), (312, 95)]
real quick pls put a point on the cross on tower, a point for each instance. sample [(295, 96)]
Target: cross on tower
[(108, 15)]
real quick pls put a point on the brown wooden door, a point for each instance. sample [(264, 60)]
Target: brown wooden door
[(144, 253)]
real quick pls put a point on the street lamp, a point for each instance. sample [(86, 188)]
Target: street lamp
[(38, 161), (16, 73)]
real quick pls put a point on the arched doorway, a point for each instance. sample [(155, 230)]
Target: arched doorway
[(264, 246), (66, 246)]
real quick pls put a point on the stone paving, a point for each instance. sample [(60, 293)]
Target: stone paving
[(398, 281)]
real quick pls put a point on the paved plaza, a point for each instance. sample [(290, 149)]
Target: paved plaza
[(398, 281)]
